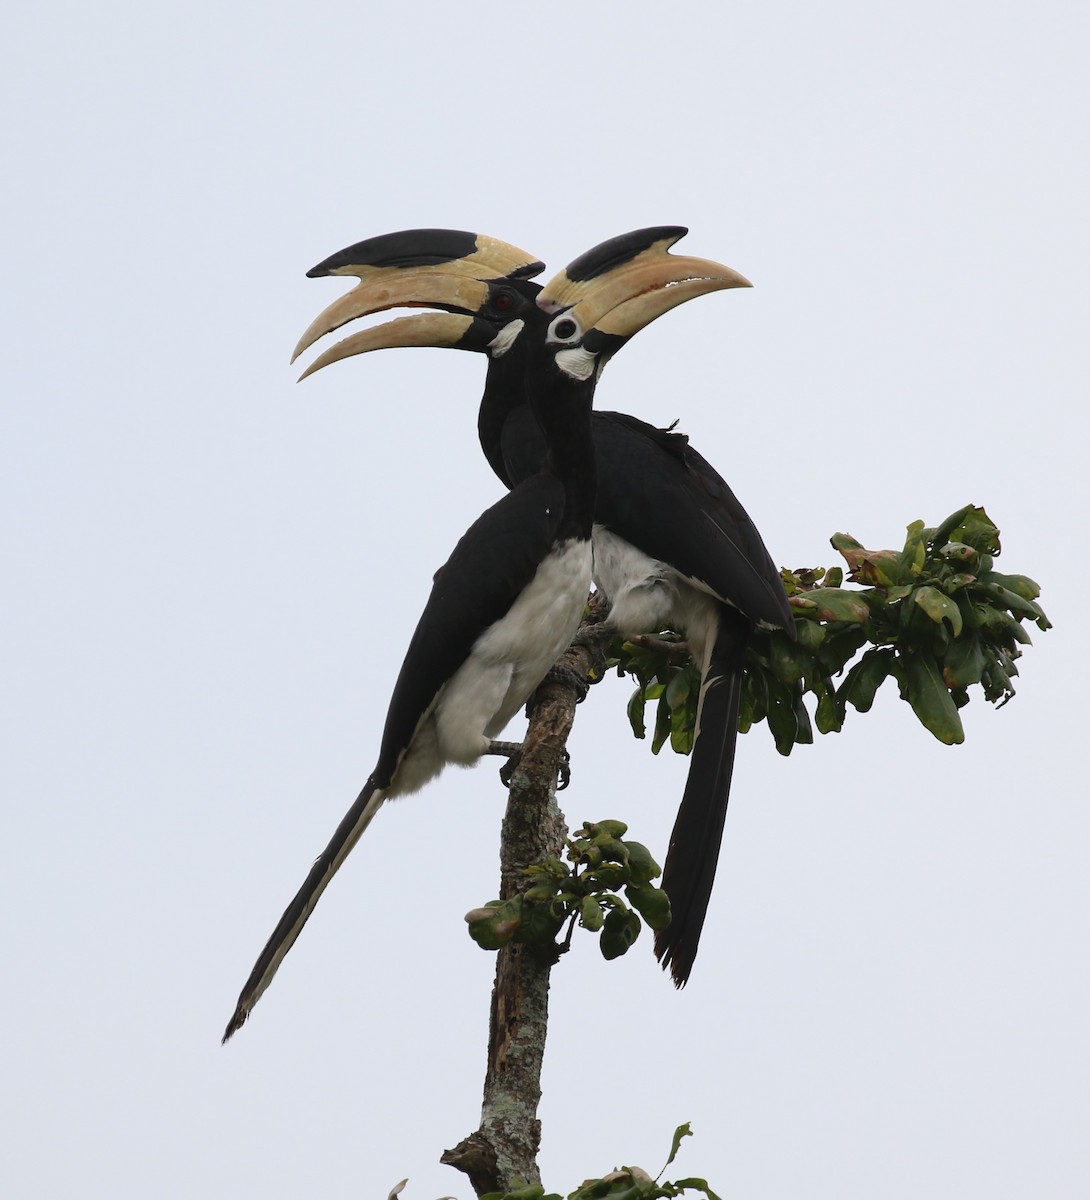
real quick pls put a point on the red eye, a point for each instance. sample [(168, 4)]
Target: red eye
[(502, 301)]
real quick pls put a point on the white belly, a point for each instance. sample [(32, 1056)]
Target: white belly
[(512, 656), (647, 595)]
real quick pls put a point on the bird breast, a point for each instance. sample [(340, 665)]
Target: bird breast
[(647, 595), (513, 654)]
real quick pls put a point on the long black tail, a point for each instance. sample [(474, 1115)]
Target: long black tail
[(295, 916), (698, 831)]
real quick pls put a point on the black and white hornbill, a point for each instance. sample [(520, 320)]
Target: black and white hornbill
[(673, 547), (509, 599)]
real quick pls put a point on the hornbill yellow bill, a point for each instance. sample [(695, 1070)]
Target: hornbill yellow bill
[(673, 547), (509, 599)]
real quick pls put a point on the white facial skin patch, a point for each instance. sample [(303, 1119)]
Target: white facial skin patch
[(505, 339)]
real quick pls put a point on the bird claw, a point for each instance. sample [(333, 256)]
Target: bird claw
[(568, 676), (508, 769), (596, 639), (563, 772)]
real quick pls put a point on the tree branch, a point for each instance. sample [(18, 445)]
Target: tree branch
[(504, 1149)]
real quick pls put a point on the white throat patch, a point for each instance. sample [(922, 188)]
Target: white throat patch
[(505, 339), (577, 362)]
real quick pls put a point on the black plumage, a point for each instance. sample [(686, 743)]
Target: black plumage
[(673, 546), (509, 599), (709, 577)]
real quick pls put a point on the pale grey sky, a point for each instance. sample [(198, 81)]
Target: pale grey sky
[(213, 573)]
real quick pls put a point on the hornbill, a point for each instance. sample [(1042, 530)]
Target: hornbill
[(509, 599), (673, 547)]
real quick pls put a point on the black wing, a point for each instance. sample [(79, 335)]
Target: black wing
[(666, 499), (487, 570)]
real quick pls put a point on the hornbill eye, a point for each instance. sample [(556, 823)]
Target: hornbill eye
[(502, 301), (564, 329)]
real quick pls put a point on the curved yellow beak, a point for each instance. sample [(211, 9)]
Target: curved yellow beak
[(623, 284), (416, 268)]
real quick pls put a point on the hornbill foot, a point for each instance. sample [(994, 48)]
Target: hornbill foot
[(512, 751), (570, 677), (596, 639)]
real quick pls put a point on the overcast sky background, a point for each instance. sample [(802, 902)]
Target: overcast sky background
[(212, 575)]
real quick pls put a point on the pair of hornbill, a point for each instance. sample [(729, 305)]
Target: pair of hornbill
[(672, 547)]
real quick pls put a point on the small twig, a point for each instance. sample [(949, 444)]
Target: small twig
[(678, 653)]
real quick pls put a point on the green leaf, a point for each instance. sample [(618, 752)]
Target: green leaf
[(937, 598), (882, 568), (804, 733), (938, 607), (593, 1189), (958, 552), (620, 930), (997, 685), (591, 914), (540, 893), (840, 645), (1001, 623), (865, 678), (610, 827), (975, 529), (613, 849), (698, 1185), (931, 700), (845, 544), (827, 715), (808, 634), (681, 734), (609, 876), (912, 557), (636, 706), (532, 1191), (1021, 585), (839, 604), (663, 725), (677, 690), (1012, 601), (651, 903), (782, 720), (642, 866), (496, 924), (590, 856), (943, 534), (784, 661), (540, 924), (682, 1131), (964, 662)]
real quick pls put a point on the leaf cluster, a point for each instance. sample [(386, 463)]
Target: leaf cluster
[(603, 864), (935, 617), (625, 1183)]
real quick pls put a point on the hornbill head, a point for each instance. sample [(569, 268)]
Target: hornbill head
[(480, 285), (605, 296), (485, 295)]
